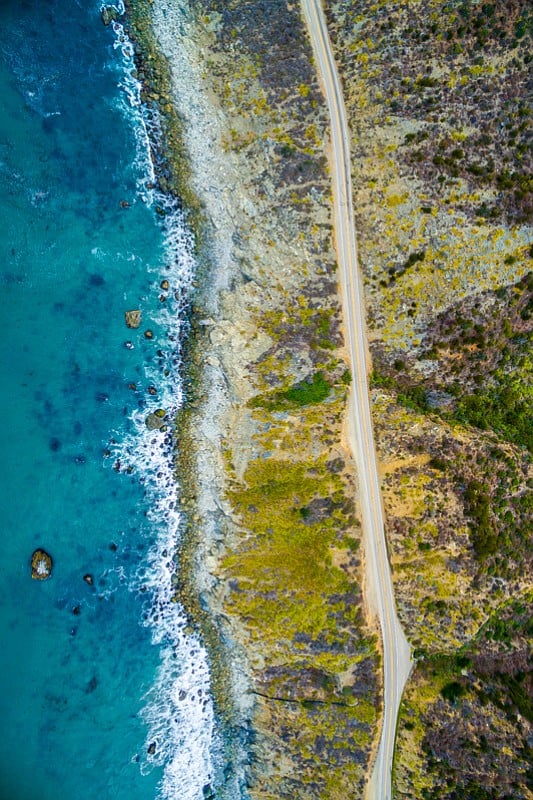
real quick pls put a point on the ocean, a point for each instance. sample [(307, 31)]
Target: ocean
[(103, 691)]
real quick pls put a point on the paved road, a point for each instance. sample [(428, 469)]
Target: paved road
[(378, 588)]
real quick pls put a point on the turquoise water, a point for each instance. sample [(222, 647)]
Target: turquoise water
[(92, 678)]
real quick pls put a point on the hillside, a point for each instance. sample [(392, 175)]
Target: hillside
[(438, 102)]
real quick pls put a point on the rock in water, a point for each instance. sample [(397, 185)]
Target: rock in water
[(109, 14), (133, 318), (41, 565), (154, 421)]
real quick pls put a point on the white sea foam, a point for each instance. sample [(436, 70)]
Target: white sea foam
[(146, 132), (179, 711)]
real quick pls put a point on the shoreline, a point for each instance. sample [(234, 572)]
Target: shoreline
[(265, 427), (205, 393), (267, 261), (167, 190)]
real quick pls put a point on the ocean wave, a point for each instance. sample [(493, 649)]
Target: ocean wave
[(179, 711), (145, 131)]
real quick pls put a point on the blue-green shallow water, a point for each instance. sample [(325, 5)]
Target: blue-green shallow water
[(90, 675)]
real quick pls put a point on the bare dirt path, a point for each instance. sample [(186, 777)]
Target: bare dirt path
[(379, 593)]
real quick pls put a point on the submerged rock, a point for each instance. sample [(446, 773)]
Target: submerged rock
[(41, 565), (133, 318)]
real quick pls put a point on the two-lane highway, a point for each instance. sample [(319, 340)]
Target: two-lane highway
[(378, 583)]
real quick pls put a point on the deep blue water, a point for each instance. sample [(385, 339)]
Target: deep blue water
[(90, 676)]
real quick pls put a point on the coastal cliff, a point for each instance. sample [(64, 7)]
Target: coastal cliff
[(271, 568)]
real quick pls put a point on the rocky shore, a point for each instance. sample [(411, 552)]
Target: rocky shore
[(270, 568)]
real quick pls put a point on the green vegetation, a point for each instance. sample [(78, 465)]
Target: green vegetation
[(300, 394), (453, 691), (507, 409), (484, 539), (410, 396), (414, 258), (304, 394), (437, 99), (475, 743), (436, 462), (285, 573), (511, 622), (303, 612), (513, 695), (346, 377)]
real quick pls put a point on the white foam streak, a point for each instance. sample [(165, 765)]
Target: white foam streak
[(143, 128), (179, 711)]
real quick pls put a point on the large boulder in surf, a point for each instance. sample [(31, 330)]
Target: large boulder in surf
[(41, 565), (155, 420), (133, 318), (109, 14)]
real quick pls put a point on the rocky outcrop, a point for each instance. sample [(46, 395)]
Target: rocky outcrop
[(156, 420), (109, 14), (133, 318), (41, 565)]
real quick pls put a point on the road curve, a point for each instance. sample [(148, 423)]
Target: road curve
[(378, 583)]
